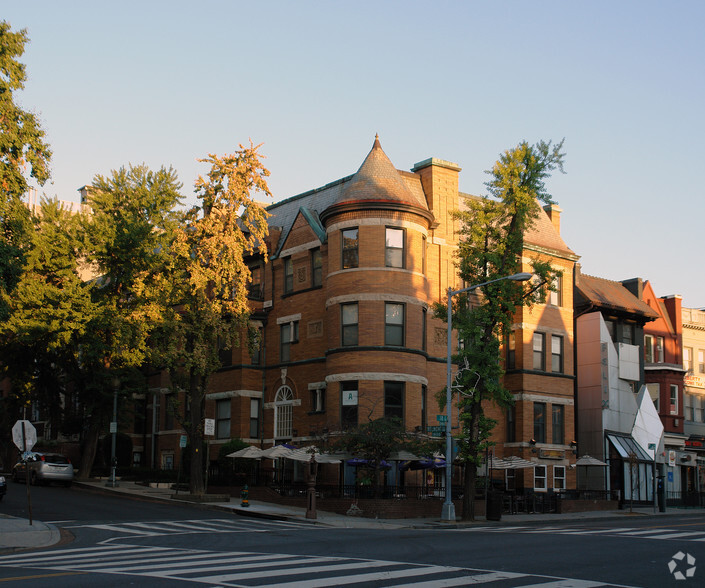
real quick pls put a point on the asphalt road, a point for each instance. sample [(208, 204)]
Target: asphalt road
[(116, 541)]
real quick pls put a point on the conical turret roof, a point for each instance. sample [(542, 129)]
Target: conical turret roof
[(379, 181)]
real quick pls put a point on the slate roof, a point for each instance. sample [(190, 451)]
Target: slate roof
[(601, 293), (378, 180), (543, 234)]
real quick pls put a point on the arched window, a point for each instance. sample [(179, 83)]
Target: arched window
[(283, 413)]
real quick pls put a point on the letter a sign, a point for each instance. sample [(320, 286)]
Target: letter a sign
[(24, 435), (349, 398)]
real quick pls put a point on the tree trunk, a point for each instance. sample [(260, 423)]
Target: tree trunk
[(470, 478), (196, 393), (473, 426), (89, 449)]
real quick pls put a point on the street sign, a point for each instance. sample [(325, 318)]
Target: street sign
[(442, 418), (182, 441), (113, 427), (209, 427), (24, 435)]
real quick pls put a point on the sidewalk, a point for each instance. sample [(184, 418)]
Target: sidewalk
[(17, 533)]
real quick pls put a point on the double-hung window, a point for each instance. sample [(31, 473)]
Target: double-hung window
[(539, 351), (394, 247), (349, 322), (540, 422), (555, 295), (394, 324), (394, 400), (316, 268), (350, 248), (348, 404), (511, 351), (649, 348), (289, 334), (288, 275), (540, 477), (254, 418), (559, 478), (222, 419), (674, 398), (557, 354), (558, 423)]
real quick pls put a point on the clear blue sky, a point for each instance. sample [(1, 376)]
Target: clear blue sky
[(167, 82)]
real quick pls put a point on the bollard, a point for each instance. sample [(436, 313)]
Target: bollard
[(244, 496)]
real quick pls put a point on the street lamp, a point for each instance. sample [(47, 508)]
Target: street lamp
[(448, 512)]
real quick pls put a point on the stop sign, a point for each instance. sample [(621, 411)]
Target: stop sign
[(24, 435)]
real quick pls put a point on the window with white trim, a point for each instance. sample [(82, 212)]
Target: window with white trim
[(559, 478), (674, 398), (283, 413), (540, 478)]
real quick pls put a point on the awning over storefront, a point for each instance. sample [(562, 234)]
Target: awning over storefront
[(626, 447)]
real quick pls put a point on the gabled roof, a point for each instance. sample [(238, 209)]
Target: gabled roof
[(378, 180), (599, 293), (543, 234)]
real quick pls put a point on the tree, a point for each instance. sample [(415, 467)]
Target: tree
[(126, 235), (377, 440), (199, 297), (22, 150), (49, 312), (491, 247)]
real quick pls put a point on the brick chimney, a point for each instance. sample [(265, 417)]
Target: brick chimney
[(554, 213)]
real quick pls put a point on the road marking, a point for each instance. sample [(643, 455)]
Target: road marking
[(182, 527), (40, 576), (260, 569)]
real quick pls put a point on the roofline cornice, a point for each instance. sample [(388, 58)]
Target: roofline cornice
[(357, 205), (569, 255)]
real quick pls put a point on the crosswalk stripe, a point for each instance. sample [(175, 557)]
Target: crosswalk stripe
[(340, 580), (464, 580), (122, 529), (566, 584), (671, 535), (94, 554)]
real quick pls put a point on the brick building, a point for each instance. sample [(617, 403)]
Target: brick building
[(343, 310)]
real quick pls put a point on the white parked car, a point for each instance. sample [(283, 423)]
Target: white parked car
[(44, 468)]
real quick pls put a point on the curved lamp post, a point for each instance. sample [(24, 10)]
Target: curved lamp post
[(448, 512)]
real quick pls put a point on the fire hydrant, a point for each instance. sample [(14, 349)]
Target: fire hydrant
[(244, 496)]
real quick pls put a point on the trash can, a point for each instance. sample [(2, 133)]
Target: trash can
[(494, 506)]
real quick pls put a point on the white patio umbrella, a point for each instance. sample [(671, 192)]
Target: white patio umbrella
[(305, 453), (249, 452), (587, 460), (276, 451)]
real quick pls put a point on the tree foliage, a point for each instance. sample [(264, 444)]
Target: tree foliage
[(199, 297), (377, 440), (126, 236), (23, 154), (492, 247)]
